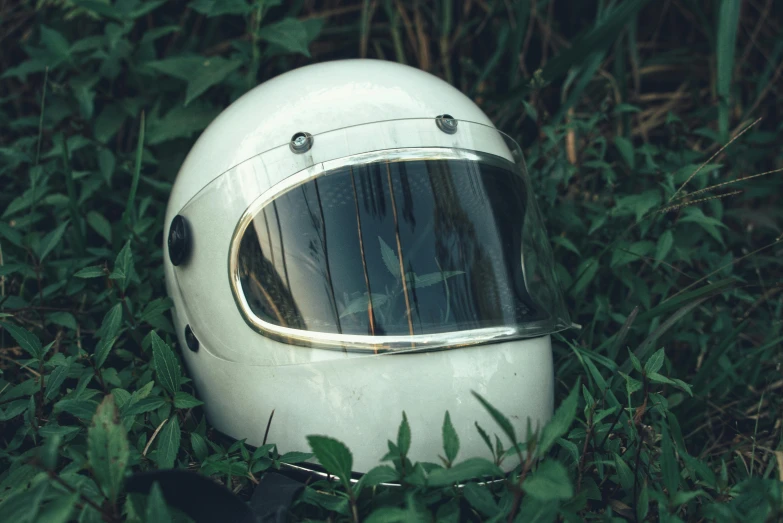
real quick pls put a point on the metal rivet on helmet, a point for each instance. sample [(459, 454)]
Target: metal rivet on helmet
[(446, 123), (191, 339), (301, 142), (179, 240)]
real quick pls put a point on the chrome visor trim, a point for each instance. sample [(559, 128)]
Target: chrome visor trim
[(366, 343)]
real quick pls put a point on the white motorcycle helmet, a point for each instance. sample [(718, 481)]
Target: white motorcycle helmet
[(352, 240)]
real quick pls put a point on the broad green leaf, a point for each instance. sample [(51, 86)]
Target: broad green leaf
[(378, 475), (585, 272), (295, 457), (289, 33), (655, 362), (55, 379), (102, 350), (49, 452), (625, 253), (107, 448), (94, 271), (201, 73), (28, 341), (334, 456), (473, 468), (389, 259), (199, 446), (100, 225), (65, 319), (168, 444), (179, 122), (560, 422), (112, 321), (550, 481), (59, 509), (166, 364), (499, 418), (123, 267), (665, 243), (481, 499), (143, 405), (183, 400), (213, 8), (485, 437), (626, 149), (404, 435), (82, 409), (51, 240), (157, 511), (450, 439)]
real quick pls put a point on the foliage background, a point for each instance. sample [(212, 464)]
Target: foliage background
[(617, 104)]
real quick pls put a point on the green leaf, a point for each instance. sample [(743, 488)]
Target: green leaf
[(65, 319), (289, 33), (626, 149), (389, 259), (49, 452), (51, 240), (586, 274), (112, 321), (55, 379), (28, 341), (499, 418), (334, 456), (82, 409), (107, 448), (631, 384), (94, 271), (481, 499), (655, 362), (59, 509), (180, 122), (295, 457), (201, 73), (404, 436), (560, 422), (473, 468), (665, 243), (102, 350), (485, 437), (157, 511), (378, 475), (550, 481), (168, 444), (213, 8), (183, 400), (100, 225), (450, 439), (166, 364), (199, 446), (123, 267), (144, 405)]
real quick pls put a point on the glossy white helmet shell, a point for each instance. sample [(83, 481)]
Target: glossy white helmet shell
[(358, 399)]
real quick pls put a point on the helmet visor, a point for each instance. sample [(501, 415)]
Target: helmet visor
[(398, 248)]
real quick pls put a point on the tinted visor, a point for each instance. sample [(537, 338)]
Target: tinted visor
[(393, 248), (389, 236)]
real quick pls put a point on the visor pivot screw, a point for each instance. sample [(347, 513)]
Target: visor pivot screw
[(191, 339), (446, 123), (301, 142), (179, 240)]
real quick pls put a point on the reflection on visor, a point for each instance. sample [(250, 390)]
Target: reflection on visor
[(394, 248)]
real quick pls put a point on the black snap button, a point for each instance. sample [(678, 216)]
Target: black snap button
[(191, 339), (179, 240)]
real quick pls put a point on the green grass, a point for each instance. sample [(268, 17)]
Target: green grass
[(668, 248)]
